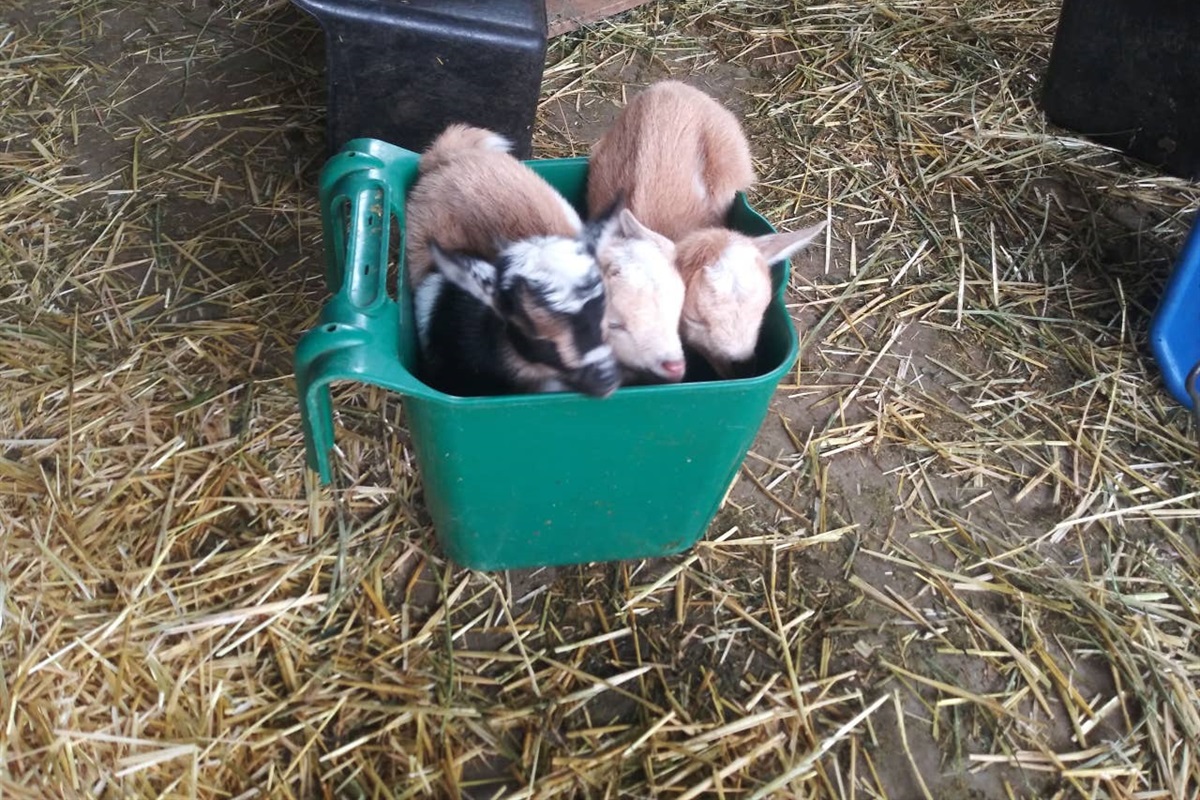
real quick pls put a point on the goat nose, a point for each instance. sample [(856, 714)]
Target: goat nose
[(673, 368), (600, 379)]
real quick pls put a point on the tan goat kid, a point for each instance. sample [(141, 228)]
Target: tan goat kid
[(678, 158)]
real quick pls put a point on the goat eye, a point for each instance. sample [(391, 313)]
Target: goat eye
[(617, 326)]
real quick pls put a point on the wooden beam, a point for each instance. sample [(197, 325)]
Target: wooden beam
[(567, 15)]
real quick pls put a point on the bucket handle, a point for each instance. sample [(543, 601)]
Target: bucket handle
[(357, 337)]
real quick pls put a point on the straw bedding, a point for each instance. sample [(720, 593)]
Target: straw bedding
[(961, 560)]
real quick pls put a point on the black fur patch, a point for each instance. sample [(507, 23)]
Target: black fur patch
[(465, 336), (593, 229), (540, 293), (587, 326), (538, 351), (463, 358)]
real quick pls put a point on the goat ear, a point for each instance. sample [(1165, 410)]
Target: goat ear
[(597, 231), (632, 228), (473, 275), (778, 246)]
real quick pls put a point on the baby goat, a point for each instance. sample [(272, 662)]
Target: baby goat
[(645, 299), (679, 158), (507, 294)]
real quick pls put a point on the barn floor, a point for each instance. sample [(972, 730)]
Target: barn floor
[(960, 561)]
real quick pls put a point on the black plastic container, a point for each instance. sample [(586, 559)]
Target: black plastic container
[(1123, 73), (401, 70)]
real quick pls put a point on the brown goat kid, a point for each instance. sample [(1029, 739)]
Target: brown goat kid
[(679, 157), (473, 195)]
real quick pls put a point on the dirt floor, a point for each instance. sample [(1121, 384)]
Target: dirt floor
[(960, 560)]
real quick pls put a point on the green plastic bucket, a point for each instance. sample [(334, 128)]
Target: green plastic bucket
[(527, 480)]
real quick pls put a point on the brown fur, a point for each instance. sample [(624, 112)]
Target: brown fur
[(679, 158), (456, 138), (701, 248), (670, 140), (471, 197), (551, 327)]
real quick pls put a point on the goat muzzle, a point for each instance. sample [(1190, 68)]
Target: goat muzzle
[(599, 379)]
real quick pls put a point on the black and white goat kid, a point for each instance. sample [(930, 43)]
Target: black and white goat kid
[(506, 290), (531, 321)]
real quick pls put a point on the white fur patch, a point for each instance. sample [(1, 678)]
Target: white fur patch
[(699, 185), (424, 299), (569, 210), (597, 355), (646, 296), (495, 141), (734, 273), (560, 268), (642, 264)]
